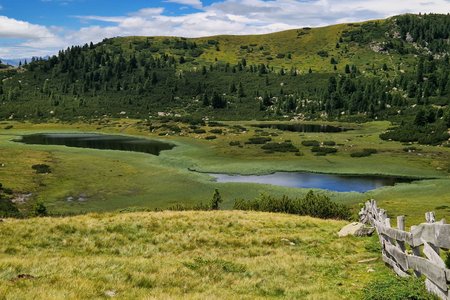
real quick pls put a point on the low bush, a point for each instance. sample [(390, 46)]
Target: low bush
[(8, 127), (199, 131), (280, 147), (394, 288), (41, 169), (211, 137), (364, 153), (311, 143), (235, 143), (314, 205), (8, 209), (216, 131), (40, 210), (322, 151), (329, 143), (258, 140)]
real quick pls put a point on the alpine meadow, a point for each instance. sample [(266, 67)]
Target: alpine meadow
[(309, 163)]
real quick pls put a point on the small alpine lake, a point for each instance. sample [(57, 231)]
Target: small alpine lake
[(331, 182), (98, 141), (316, 128)]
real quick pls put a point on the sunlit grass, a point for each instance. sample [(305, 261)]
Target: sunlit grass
[(194, 255)]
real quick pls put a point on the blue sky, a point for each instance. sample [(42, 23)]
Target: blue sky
[(42, 27)]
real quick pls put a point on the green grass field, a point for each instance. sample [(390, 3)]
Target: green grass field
[(189, 255), (114, 180)]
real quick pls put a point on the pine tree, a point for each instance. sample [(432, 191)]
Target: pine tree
[(216, 200)]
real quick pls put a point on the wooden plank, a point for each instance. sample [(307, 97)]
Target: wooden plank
[(430, 270), (416, 252), (394, 266), (397, 234), (434, 289), (399, 257), (432, 255), (436, 234)]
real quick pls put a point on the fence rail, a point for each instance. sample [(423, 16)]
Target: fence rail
[(415, 252)]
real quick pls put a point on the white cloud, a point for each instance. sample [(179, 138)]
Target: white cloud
[(193, 3), (12, 28), (224, 17)]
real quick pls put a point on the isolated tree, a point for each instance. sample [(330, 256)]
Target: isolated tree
[(216, 200), (40, 210)]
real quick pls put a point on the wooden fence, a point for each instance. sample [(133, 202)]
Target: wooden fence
[(415, 252)]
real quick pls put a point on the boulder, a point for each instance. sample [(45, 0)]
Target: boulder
[(356, 229)]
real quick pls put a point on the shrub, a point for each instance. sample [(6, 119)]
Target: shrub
[(199, 131), (235, 143), (8, 127), (322, 151), (40, 210), (315, 205), (281, 55), (329, 143), (211, 137), (394, 288), (280, 147), (258, 140), (216, 131), (364, 153), (41, 169), (8, 209), (311, 143), (216, 200)]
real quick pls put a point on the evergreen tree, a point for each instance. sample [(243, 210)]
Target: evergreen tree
[(216, 200)]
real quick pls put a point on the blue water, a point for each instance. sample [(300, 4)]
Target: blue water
[(98, 141), (337, 183)]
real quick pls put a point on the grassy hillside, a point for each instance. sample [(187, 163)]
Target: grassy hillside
[(194, 255), (373, 70)]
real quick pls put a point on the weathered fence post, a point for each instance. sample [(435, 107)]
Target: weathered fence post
[(431, 235)]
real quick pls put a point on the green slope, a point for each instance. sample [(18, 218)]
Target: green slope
[(373, 70), (187, 255)]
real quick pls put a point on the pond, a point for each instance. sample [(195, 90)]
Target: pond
[(303, 127), (337, 183), (98, 141)]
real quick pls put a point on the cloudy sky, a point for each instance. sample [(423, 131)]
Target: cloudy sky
[(42, 27)]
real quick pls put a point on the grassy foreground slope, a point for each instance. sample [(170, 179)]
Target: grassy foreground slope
[(226, 254)]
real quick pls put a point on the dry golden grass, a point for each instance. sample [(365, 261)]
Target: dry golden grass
[(193, 255)]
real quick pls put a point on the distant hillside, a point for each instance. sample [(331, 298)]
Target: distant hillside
[(382, 69), (188, 255), (14, 62)]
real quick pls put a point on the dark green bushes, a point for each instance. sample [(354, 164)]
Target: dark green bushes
[(329, 143), (311, 143), (364, 153), (216, 131), (199, 131), (211, 137), (258, 140), (432, 134), (280, 147), (41, 169), (8, 209), (235, 143), (314, 205), (322, 151)]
